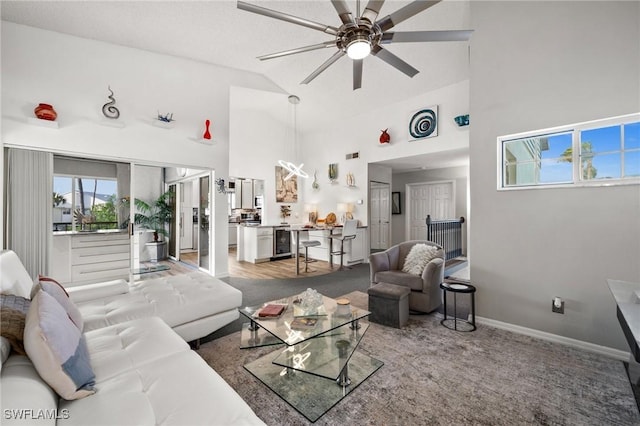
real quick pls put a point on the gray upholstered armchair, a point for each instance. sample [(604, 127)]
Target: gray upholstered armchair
[(386, 266)]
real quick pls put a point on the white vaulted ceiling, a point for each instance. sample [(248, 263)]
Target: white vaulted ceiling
[(216, 32)]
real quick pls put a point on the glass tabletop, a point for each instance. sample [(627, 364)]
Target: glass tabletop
[(294, 326)]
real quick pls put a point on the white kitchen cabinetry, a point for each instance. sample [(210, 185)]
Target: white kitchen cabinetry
[(247, 194), (233, 234), (257, 244), (355, 250), (85, 258)]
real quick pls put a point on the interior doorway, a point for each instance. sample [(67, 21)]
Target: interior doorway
[(436, 199), (380, 208)]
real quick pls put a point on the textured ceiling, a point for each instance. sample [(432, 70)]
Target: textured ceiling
[(217, 32)]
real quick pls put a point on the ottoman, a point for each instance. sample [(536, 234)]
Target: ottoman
[(389, 304)]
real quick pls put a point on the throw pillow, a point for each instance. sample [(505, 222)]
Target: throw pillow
[(418, 258), (55, 289), (13, 312), (5, 349), (58, 349)]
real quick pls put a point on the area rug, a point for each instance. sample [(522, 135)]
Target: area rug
[(436, 376)]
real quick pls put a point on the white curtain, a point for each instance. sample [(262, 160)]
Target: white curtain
[(30, 208)]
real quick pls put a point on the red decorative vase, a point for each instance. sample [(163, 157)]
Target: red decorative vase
[(385, 137), (45, 112), (207, 135)]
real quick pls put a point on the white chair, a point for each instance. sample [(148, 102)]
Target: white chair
[(306, 245), (348, 233)]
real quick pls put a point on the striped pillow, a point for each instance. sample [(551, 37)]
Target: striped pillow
[(57, 348)]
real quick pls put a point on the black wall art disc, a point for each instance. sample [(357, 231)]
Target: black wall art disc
[(424, 123)]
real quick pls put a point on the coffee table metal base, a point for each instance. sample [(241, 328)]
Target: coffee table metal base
[(310, 395)]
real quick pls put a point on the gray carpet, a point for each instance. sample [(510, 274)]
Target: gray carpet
[(435, 376)]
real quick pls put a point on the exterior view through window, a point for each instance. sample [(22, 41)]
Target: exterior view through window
[(605, 151), (84, 204)]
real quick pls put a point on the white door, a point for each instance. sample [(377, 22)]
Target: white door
[(436, 199), (380, 212)]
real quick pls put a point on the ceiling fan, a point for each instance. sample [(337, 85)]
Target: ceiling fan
[(362, 35)]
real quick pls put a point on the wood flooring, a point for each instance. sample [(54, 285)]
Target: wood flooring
[(283, 268), (277, 269)]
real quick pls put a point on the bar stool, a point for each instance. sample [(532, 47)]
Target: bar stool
[(306, 245), (348, 233)]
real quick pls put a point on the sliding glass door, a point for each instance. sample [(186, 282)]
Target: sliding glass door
[(204, 217)]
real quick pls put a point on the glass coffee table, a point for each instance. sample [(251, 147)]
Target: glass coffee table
[(318, 365)]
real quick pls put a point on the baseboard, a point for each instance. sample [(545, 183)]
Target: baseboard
[(591, 347)]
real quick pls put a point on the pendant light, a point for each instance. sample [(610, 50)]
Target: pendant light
[(288, 166)]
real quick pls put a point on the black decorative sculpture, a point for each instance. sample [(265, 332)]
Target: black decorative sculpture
[(109, 110)]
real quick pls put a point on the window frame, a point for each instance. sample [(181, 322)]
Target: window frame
[(575, 129), (74, 187)]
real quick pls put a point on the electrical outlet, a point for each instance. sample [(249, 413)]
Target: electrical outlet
[(557, 306)]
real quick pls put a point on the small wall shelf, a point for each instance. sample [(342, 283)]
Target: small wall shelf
[(112, 123), (43, 123), (162, 124), (203, 141)]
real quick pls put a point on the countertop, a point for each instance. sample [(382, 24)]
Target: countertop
[(99, 231), (627, 296)]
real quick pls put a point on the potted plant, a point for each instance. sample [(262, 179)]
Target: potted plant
[(155, 216)]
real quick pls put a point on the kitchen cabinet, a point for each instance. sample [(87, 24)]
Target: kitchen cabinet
[(246, 195), (355, 250), (256, 245), (233, 234)]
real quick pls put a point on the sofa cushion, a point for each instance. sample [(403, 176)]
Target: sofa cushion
[(177, 300), (123, 347), (14, 278), (414, 282), (418, 257), (55, 289), (57, 348), (13, 312), (178, 389), (24, 393)]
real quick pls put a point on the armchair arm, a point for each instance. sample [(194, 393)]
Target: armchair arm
[(433, 274), (82, 293), (378, 262)]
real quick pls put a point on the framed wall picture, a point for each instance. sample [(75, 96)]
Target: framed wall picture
[(396, 203), (286, 189), (423, 123)]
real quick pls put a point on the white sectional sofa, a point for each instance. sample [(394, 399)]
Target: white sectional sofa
[(193, 304), (145, 372)]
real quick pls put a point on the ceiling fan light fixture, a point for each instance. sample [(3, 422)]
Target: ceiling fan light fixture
[(359, 48)]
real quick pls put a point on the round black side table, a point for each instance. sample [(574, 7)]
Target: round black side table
[(455, 288)]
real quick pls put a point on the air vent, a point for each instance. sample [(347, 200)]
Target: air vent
[(353, 155)]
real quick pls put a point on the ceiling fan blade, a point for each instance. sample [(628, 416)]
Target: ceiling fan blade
[(287, 18), (357, 73), (331, 43), (372, 9), (339, 54), (419, 36), (343, 11), (394, 61), (404, 13)]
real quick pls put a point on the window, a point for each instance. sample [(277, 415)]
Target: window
[(84, 203), (603, 151)]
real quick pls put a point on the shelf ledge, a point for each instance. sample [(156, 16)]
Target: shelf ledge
[(43, 123)]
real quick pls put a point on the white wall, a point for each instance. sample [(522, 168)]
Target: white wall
[(459, 175), (73, 74), (361, 133), (261, 133), (536, 65)]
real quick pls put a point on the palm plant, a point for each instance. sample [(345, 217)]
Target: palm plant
[(156, 215)]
